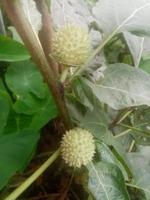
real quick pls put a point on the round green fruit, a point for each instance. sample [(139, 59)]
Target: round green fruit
[(71, 45), (77, 147)]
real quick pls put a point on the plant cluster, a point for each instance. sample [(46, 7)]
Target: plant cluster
[(82, 69)]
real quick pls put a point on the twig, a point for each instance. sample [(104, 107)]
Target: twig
[(126, 114), (122, 133), (75, 195), (120, 117), (135, 129), (68, 187), (131, 146), (42, 197)]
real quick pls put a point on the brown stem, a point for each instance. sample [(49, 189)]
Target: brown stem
[(45, 34), (30, 39)]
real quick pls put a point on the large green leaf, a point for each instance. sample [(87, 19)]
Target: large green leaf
[(2, 87), (15, 152), (17, 122), (46, 111), (23, 77), (112, 156), (32, 95), (106, 182), (11, 50), (4, 110), (96, 121), (29, 105), (122, 86)]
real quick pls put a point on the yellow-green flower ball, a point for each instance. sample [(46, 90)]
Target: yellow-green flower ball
[(77, 147), (71, 45)]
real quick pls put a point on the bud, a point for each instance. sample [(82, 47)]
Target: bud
[(71, 45), (77, 147)]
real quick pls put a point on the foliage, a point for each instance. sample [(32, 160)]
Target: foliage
[(109, 96), (106, 182), (25, 108)]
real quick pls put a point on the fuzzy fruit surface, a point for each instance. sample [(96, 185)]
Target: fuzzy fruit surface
[(77, 147), (71, 45)]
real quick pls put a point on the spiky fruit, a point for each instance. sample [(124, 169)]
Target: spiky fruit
[(77, 147), (71, 45)]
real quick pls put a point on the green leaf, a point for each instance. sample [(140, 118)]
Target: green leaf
[(82, 94), (140, 165), (15, 152), (75, 108), (11, 50), (17, 122), (23, 77), (4, 110), (145, 65), (141, 125), (2, 87), (106, 182), (122, 86), (29, 105), (32, 96), (107, 155), (96, 121), (46, 111)]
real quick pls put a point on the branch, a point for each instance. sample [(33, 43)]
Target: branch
[(46, 33)]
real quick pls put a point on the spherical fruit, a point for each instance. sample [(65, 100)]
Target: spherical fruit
[(71, 45), (77, 147)]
